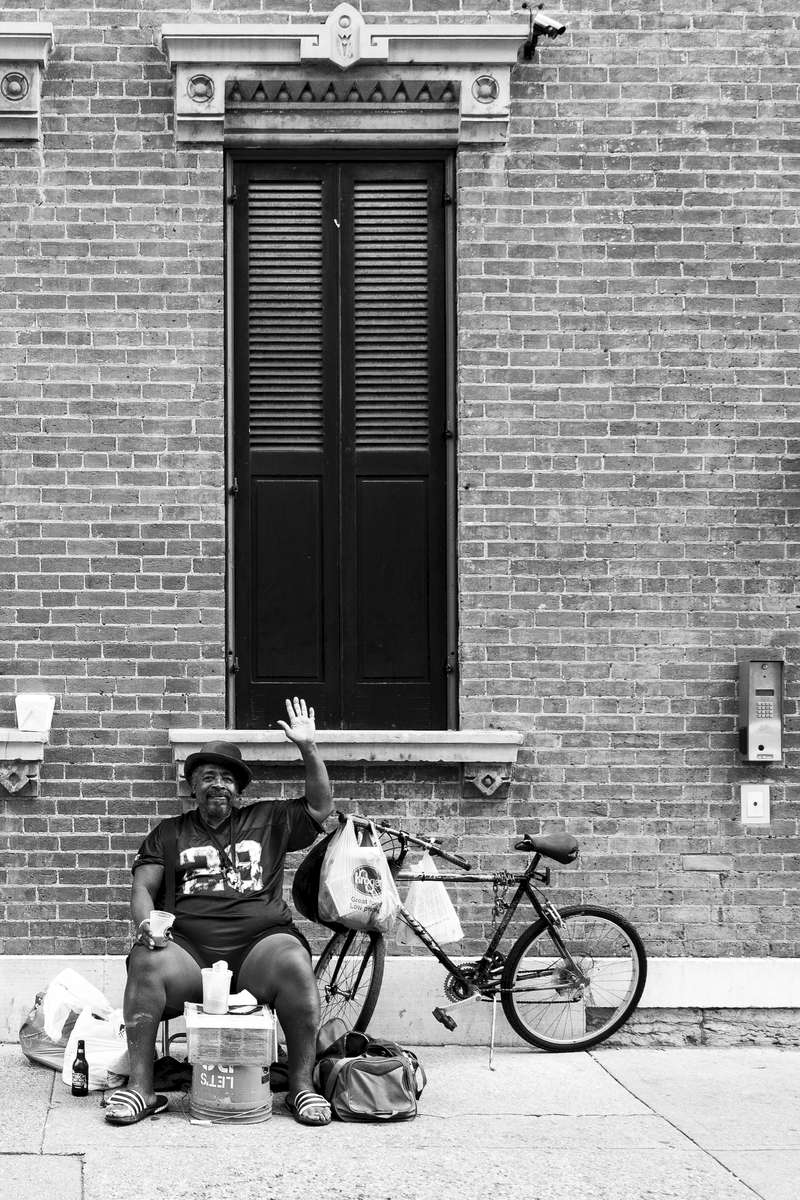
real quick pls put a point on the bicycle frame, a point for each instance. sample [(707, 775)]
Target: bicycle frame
[(480, 971), (545, 910)]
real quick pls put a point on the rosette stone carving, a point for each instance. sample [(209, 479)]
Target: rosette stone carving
[(24, 51)]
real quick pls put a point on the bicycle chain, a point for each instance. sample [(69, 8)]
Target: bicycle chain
[(482, 975), (502, 882)]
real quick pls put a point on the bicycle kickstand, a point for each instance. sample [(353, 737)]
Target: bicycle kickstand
[(491, 1038)]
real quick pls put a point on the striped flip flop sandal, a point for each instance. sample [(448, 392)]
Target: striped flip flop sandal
[(131, 1107), (303, 1103)]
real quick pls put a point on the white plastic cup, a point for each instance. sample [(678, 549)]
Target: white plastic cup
[(216, 990), (160, 922)]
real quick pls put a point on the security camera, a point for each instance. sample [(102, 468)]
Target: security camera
[(540, 26)]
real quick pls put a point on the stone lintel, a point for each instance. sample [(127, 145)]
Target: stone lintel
[(341, 124), (24, 51), (205, 57)]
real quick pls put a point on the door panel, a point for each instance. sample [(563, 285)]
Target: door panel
[(392, 639), (287, 547), (340, 413)]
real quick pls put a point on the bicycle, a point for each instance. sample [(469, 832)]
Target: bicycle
[(569, 981)]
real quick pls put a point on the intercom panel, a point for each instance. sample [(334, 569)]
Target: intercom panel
[(761, 709)]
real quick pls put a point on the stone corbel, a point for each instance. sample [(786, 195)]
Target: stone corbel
[(24, 51), (21, 756), (478, 58), (487, 781)]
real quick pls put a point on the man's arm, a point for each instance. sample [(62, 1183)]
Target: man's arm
[(146, 882), (318, 786), (301, 730)]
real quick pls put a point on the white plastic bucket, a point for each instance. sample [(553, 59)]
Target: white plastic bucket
[(230, 1093)]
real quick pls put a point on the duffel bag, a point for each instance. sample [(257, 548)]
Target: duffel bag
[(383, 1083)]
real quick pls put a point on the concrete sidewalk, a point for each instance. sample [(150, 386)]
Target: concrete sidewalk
[(611, 1124)]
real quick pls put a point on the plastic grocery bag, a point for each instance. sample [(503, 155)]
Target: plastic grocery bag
[(44, 1033), (70, 992), (428, 902), (356, 888), (37, 1045), (106, 1049)]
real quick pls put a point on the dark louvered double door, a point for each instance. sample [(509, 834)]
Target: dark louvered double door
[(340, 588)]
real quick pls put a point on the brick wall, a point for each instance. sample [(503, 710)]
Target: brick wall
[(629, 363), (627, 289)]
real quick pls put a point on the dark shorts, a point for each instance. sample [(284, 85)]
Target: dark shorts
[(234, 951)]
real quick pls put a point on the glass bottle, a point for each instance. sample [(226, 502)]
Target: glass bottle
[(80, 1072)]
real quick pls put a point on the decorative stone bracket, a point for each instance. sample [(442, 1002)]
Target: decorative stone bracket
[(477, 58), (21, 756), (472, 748), (24, 50)]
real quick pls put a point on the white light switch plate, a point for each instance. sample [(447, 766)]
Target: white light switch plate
[(755, 803)]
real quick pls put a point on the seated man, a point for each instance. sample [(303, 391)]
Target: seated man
[(228, 905)]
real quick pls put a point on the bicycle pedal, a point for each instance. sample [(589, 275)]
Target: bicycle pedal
[(444, 1018)]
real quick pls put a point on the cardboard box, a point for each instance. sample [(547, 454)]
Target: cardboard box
[(231, 1038)]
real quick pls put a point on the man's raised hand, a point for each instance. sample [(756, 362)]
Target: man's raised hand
[(301, 728)]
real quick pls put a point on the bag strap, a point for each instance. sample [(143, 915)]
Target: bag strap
[(170, 843), (419, 1069), (338, 1065), (347, 1045)]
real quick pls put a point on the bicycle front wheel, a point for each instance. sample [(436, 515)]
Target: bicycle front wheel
[(571, 987), (349, 975)]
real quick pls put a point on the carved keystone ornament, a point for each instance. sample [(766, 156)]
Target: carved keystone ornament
[(345, 40)]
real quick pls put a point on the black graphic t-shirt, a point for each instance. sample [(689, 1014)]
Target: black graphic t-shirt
[(234, 872)]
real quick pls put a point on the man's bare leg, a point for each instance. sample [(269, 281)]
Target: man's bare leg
[(278, 972), (157, 980)]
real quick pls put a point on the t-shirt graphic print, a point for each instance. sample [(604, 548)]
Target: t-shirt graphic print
[(201, 869)]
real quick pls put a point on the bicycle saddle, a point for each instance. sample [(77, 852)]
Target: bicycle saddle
[(559, 846)]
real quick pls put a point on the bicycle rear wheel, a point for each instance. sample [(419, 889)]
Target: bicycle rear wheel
[(349, 975), (557, 1006)]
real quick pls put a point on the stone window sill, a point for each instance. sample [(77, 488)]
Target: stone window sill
[(21, 755), (487, 756)]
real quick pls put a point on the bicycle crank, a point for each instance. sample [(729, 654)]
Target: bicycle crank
[(442, 1014)]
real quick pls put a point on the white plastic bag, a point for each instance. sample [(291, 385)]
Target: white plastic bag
[(36, 1045), (106, 1049), (356, 888), (45, 1031), (429, 903), (70, 992)]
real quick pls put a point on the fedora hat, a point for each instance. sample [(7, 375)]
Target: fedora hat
[(224, 754)]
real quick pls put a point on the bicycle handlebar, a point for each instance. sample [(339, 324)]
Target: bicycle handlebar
[(455, 859), (429, 845)]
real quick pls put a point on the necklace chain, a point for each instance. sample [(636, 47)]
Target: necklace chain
[(228, 861)]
